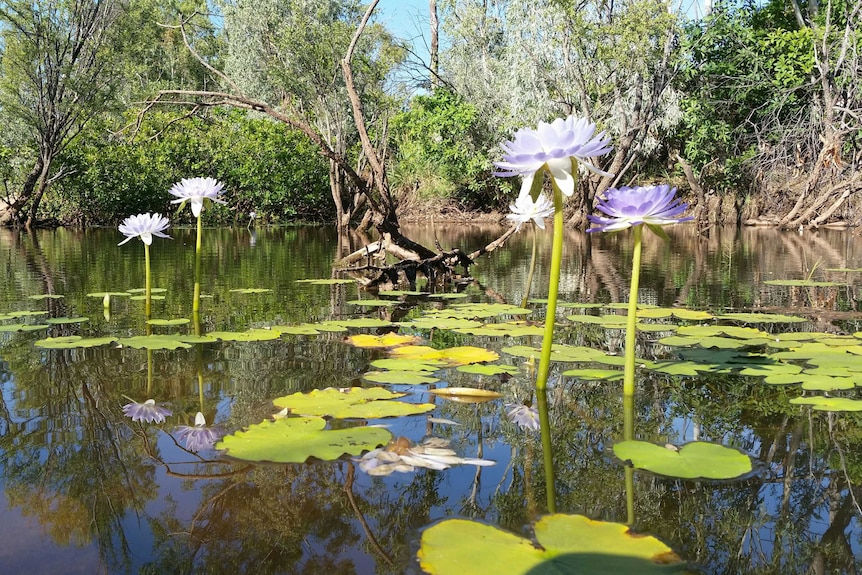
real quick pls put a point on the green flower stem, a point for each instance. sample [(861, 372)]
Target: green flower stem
[(148, 301), (628, 434), (200, 370), (547, 342), (149, 373), (547, 451), (532, 269), (196, 301), (631, 325)]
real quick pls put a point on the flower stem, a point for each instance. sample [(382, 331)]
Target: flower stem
[(196, 300), (148, 301), (532, 269), (631, 324)]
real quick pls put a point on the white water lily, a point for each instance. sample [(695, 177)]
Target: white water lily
[(195, 191), (399, 455), (525, 209), (144, 226)]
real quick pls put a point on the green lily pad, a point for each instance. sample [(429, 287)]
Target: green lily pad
[(46, 296), (451, 295), (565, 544), (250, 290), (770, 369), (720, 330), (401, 292), (296, 439), (168, 322), (152, 342), (326, 281), (354, 402), (373, 302), (595, 374), (144, 297), (827, 383), (355, 322), (405, 364), (801, 283), (684, 368), (398, 377), (488, 369), (440, 323), (12, 327), (72, 342), (710, 342), (693, 460), (559, 352), (762, 317), (301, 329), (191, 338), (22, 313), (250, 335), (510, 329), (102, 294), (829, 403), (66, 320), (144, 290), (460, 355), (478, 310)]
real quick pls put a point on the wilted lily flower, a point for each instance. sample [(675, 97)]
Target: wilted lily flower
[(401, 455), (144, 226), (627, 207), (199, 436), (525, 209), (197, 190), (525, 416), (557, 147), (147, 411)]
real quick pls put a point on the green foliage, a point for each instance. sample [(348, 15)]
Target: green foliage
[(441, 151), (266, 168)]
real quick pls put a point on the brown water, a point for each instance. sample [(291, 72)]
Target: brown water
[(85, 490)]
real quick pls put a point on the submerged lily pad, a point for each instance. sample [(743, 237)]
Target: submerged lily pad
[(693, 460), (566, 544), (353, 402), (296, 439)]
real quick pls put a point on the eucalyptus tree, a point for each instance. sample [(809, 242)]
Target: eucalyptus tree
[(56, 76), (522, 61)]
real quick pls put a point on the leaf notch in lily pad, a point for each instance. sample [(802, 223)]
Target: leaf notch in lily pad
[(352, 402), (698, 459)]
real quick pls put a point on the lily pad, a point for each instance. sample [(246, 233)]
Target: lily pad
[(488, 369), (693, 460), (461, 355), (301, 329), (152, 342), (250, 335), (762, 317), (406, 364), (566, 544), (385, 340), (373, 302), (144, 297), (326, 281), (296, 439), (46, 296), (353, 402), (398, 377), (595, 374), (829, 403), (168, 322), (466, 392), (250, 290), (12, 327), (356, 322), (801, 283), (510, 329), (144, 290), (66, 320), (559, 352), (102, 294), (22, 313), (72, 342)]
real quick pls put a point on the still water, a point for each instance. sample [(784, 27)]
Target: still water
[(86, 490)]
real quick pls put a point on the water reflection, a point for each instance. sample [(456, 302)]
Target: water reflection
[(110, 495)]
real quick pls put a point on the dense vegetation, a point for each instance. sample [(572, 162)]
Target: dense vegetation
[(753, 108)]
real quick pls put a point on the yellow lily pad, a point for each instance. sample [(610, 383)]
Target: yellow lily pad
[(385, 340)]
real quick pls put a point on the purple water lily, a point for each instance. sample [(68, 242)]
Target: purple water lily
[(525, 416), (147, 411), (199, 436), (627, 207), (557, 147)]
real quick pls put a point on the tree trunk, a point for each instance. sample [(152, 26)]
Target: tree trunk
[(435, 43), (43, 183)]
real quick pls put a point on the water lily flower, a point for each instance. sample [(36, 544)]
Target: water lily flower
[(525, 209), (144, 226), (199, 436), (197, 190), (525, 416), (627, 207), (556, 147), (401, 455), (147, 411)]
